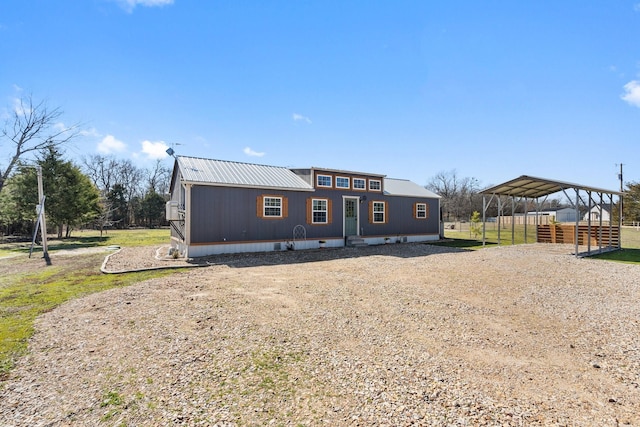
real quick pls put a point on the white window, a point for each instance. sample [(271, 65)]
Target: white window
[(324, 181), (342, 182), (319, 211), (421, 210), (375, 185), (272, 206), (359, 184), (378, 212)]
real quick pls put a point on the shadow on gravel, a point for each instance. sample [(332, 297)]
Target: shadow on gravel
[(403, 250)]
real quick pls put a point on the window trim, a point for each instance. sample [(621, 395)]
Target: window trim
[(373, 212), (364, 184), (318, 176), (261, 206), (265, 206), (348, 187), (418, 211), (371, 181), (310, 211), (326, 211)]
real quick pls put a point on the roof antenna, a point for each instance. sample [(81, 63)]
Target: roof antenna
[(170, 151)]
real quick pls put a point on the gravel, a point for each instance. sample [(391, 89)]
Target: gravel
[(401, 334)]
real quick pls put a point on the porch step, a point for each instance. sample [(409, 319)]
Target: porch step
[(356, 242)]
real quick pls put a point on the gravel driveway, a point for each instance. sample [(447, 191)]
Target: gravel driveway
[(408, 334)]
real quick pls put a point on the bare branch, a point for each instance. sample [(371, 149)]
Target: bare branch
[(31, 127)]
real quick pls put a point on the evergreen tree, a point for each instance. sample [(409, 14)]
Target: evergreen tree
[(71, 198), (152, 209)]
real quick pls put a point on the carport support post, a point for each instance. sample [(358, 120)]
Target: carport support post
[(499, 217), (513, 220), (526, 218), (577, 219), (484, 218)]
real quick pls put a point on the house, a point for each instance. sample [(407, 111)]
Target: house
[(219, 206), (597, 213)]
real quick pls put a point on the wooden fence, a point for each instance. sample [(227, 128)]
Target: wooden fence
[(599, 236)]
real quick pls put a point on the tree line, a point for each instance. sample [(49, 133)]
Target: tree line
[(102, 191), (460, 198)]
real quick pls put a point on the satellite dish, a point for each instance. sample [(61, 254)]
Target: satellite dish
[(170, 151)]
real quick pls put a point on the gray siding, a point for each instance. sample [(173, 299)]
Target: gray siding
[(226, 214)]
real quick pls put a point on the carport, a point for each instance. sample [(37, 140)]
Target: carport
[(531, 189)]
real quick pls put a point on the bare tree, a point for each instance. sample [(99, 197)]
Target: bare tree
[(103, 171), (31, 127), (459, 195), (158, 178)]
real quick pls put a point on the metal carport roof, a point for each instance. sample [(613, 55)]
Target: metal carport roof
[(529, 187), (532, 187)]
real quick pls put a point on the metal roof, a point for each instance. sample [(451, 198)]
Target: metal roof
[(529, 186), (403, 187), (237, 174)]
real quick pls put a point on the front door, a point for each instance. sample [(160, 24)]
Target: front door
[(350, 217)]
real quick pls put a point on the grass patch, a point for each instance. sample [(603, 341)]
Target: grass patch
[(28, 288), (631, 256), (92, 238), (461, 238)]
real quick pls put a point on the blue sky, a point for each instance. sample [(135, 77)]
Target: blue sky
[(492, 89)]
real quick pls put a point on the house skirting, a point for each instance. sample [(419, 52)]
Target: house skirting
[(205, 249)]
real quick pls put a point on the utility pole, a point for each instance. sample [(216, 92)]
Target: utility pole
[(622, 191), (43, 222)]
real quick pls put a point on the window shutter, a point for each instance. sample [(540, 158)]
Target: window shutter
[(259, 207), (329, 211), (309, 211), (415, 210), (285, 207)]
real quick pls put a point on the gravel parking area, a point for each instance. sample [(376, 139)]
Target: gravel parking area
[(407, 334)]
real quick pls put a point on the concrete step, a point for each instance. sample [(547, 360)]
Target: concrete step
[(356, 242)]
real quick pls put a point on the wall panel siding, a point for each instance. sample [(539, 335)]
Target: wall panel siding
[(226, 214)]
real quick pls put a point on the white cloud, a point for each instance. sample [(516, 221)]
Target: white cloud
[(249, 152), (129, 5), (632, 93), (154, 150), (300, 118), (93, 132), (110, 144)]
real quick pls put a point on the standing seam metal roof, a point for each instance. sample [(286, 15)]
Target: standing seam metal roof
[(404, 187), (227, 173)]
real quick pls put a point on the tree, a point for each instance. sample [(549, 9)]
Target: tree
[(459, 195), (31, 127), (118, 206), (152, 209), (71, 198), (631, 205), (14, 220), (103, 171), (475, 228), (158, 178)]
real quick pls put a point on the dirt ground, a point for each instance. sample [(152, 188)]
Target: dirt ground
[(407, 334)]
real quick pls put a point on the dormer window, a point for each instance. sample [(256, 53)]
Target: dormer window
[(324, 181)]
